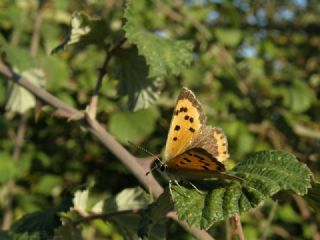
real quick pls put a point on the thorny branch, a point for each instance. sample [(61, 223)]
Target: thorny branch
[(106, 138)]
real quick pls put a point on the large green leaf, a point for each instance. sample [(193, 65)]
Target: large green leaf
[(132, 72), (164, 56), (132, 126), (263, 173)]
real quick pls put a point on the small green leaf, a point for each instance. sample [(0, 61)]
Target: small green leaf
[(131, 198), (48, 183), (21, 100), (229, 37), (132, 126), (263, 173), (80, 200), (132, 72), (164, 56), (84, 31)]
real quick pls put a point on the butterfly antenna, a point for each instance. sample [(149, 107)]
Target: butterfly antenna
[(148, 152)]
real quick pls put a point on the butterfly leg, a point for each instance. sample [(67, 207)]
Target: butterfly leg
[(175, 181), (197, 189)]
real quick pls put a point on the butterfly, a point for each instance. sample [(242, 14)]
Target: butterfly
[(193, 149)]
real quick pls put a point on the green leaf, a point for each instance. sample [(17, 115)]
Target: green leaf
[(84, 31), (297, 95), (132, 72), (80, 200), (229, 37), (42, 223), (21, 100), (279, 167), (131, 198), (10, 169), (132, 126), (48, 183), (163, 56), (264, 174), (128, 225), (16, 56), (152, 218)]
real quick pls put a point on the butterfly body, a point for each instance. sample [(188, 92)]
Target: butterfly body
[(193, 150)]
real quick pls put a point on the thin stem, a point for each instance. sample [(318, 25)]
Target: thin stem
[(238, 227), (106, 216), (269, 221), (7, 216), (92, 110)]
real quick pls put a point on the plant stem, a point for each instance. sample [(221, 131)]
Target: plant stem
[(93, 105), (106, 138)]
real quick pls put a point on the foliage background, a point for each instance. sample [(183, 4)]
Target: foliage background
[(255, 68)]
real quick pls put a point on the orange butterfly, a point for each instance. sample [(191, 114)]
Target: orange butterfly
[(193, 150)]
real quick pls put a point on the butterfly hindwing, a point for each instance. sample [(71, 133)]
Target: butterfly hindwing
[(195, 163), (214, 141), (188, 118)]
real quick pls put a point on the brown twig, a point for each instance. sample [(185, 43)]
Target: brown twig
[(108, 141), (92, 109), (238, 227), (106, 216)]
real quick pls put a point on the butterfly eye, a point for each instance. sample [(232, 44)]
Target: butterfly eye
[(163, 167)]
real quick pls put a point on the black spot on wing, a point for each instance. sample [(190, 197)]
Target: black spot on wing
[(188, 160), (197, 156), (205, 167), (177, 128), (192, 130), (186, 117), (191, 120), (175, 139)]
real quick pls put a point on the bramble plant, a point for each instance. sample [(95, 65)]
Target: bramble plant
[(115, 77)]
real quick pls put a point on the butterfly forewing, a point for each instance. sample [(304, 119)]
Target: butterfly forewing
[(187, 120)]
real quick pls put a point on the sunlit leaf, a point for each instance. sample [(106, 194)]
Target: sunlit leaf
[(163, 56), (84, 31), (134, 82)]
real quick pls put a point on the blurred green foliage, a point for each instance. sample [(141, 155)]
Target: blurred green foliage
[(253, 65)]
